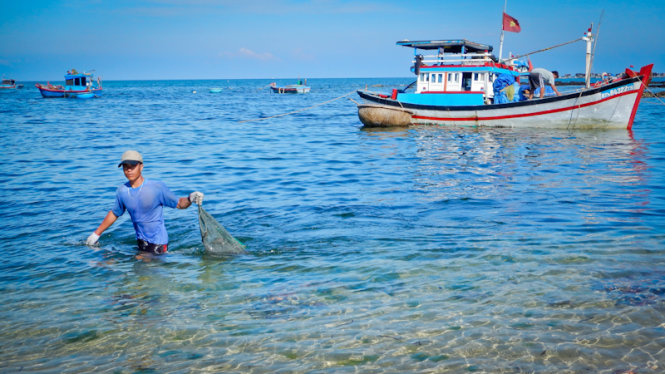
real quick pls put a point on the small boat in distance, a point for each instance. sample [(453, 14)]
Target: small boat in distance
[(460, 83), (301, 87), (9, 84), (77, 86)]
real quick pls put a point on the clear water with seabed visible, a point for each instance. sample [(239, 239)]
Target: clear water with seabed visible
[(408, 250)]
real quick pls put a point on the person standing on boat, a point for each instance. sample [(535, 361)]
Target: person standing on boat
[(144, 199), (538, 78)]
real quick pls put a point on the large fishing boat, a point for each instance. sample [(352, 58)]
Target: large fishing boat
[(460, 83), (77, 86)]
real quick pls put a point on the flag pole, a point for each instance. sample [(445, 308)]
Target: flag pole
[(505, 3)]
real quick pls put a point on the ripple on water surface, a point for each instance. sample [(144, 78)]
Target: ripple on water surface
[(408, 250)]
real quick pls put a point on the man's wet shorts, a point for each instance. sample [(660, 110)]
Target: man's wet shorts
[(156, 249)]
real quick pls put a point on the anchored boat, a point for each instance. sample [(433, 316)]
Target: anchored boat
[(9, 84), (77, 86), (290, 88), (460, 83)]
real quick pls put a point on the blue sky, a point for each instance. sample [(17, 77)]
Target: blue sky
[(227, 39)]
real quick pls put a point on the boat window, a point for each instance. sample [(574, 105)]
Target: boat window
[(466, 81), (69, 82), (83, 81), (422, 77)]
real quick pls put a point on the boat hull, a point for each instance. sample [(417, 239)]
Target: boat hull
[(84, 95), (291, 89), (9, 84), (48, 92), (609, 106)]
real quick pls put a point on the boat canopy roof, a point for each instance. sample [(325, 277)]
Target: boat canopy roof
[(449, 46), (77, 75)]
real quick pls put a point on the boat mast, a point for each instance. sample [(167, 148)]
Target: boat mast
[(588, 37), (505, 4)]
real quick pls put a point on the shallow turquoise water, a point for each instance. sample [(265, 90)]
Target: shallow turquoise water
[(410, 250)]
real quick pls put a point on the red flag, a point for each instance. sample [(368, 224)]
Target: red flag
[(510, 24)]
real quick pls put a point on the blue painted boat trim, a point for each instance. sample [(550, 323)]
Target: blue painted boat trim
[(456, 99)]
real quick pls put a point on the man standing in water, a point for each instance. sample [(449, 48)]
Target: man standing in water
[(144, 199)]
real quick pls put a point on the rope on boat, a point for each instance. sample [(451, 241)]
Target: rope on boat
[(299, 110), (646, 87), (547, 49), (570, 120), (656, 96)]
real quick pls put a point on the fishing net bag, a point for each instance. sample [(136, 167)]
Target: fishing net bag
[(216, 239)]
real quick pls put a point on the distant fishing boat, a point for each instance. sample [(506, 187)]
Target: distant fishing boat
[(77, 86), (460, 83), (9, 84), (299, 88)]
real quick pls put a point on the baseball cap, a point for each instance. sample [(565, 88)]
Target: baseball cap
[(131, 158)]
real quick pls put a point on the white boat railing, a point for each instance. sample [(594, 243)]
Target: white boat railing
[(460, 59)]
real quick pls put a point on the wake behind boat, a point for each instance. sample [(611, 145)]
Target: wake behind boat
[(460, 83), (77, 86)]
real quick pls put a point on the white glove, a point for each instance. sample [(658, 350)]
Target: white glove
[(196, 197), (92, 239)]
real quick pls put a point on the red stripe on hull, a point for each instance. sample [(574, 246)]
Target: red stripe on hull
[(645, 72)]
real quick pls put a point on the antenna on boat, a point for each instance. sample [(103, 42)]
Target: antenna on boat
[(588, 37), (595, 41)]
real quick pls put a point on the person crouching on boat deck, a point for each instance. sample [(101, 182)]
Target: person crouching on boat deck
[(144, 199), (538, 78)]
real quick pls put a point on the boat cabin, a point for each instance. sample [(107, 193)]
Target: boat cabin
[(454, 72), (76, 80)]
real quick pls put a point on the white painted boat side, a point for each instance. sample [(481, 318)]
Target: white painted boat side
[(606, 108)]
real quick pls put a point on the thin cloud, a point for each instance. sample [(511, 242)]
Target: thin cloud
[(300, 54), (248, 53), (173, 8)]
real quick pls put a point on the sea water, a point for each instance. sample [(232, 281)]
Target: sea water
[(424, 249)]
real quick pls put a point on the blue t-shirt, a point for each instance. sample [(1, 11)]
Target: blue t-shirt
[(145, 205)]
